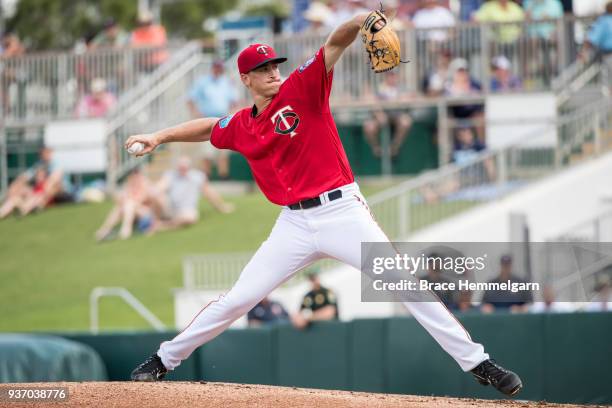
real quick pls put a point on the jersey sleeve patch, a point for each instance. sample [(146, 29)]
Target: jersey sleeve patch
[(225, 121), (307, 63)]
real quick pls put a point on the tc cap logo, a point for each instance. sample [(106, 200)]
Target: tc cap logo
[(262, 49)]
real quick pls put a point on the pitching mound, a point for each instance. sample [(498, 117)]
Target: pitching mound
[(206, 394)]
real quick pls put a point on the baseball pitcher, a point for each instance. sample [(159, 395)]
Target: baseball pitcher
[(291, 143)]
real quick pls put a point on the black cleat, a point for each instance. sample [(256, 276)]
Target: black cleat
[(151, 370), (507, 382)]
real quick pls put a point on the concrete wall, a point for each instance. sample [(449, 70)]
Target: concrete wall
[(552, 206)]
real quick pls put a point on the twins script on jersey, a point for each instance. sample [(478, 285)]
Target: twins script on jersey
[(292, 146)]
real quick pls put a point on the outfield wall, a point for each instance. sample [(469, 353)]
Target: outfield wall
[(561, 358)]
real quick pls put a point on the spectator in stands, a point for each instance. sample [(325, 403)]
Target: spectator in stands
[(506, 300), (603, 298), (502, 79), (344, 10), (267, 312), (463, 302), (213, 95), (542, 39), (320, 18), (548, 303), (85, 65), (41, 185), (468, 8), (11, 47), (178, 195), (399, 120), (434, 275), (83, 44), (98, 103), (432, 15), (462, 84), (465, 147), (151, 35), (600, 39), (111, 36), (473, 172), (543, 10), (600, 34), (21, 197), (436, 79), (133, 207), (318, 304), (502, 11)]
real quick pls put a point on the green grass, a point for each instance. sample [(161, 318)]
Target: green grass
[(50, 262)]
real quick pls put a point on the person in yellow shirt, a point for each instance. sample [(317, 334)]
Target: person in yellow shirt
[(502, 11)]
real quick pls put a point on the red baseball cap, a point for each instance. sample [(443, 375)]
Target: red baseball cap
[(256, 55)]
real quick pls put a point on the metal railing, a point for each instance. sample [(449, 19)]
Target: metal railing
[(20, 137), (127, 297), (585, 263), (220, 271), (585, 132), (595, 229), (157, 102), (576, 77), (538, 51), (49, 85), (431, 197), (571, 267), (454, 188)]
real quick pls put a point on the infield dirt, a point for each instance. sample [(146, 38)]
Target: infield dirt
[(208, 394)]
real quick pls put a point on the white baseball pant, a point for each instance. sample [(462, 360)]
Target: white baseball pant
[(335, 229)]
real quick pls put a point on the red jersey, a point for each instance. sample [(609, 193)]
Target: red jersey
[(292, 147)]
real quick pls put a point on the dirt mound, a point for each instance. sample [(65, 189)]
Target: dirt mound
[(206, 394)]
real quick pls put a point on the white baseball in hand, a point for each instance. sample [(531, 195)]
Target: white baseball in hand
[(135, 148)]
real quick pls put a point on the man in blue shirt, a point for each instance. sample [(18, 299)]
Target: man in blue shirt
[(468, 8), (506, 300), (600, 38), (213, 95), (543, 10), (267, 312), (600, 35)]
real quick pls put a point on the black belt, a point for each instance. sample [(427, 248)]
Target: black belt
[(316, 201)]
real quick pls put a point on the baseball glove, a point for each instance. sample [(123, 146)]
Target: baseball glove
[(381, 44)]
